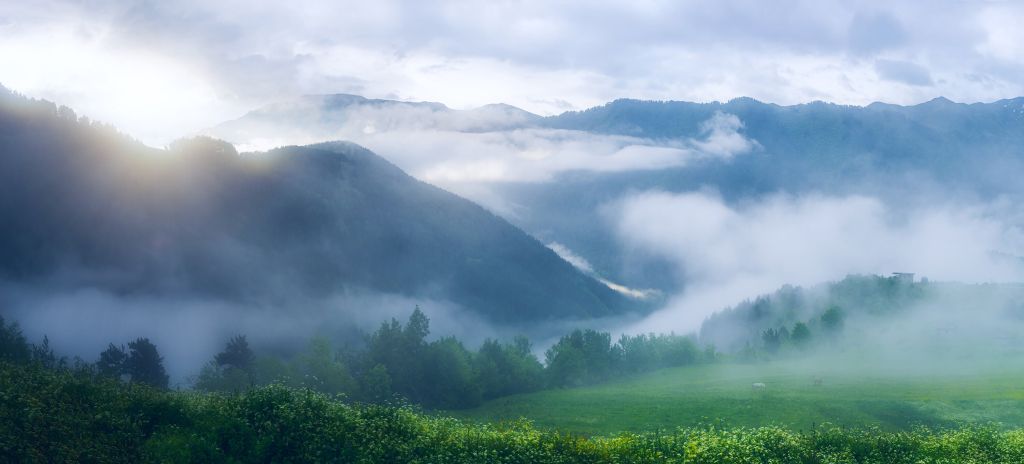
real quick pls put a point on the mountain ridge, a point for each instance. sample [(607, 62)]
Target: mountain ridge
[(312, 220)]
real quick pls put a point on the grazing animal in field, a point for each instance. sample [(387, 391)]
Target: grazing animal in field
[(818, 381), (758, 386)]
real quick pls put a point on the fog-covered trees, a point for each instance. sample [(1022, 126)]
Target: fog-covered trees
[(450, 380), (438, 374), (588, 356), (322, 368), (112, 361), (231, 369), (398, 361), (645, 352), (772, 340), (766, 323), (401, 351), (236, 354), (507, 369), (140, 363), (583, 356), (801, 335), (145, 365), (832, 319), (13, 345)]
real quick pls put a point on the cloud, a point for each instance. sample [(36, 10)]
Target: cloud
[(874, 32), (903, 71), (723, 138), (541, 56), (536, 155), (565, 253), (726, 253), (1004, 39), (461, 150)]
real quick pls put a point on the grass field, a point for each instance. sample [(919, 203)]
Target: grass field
[(722, 393)]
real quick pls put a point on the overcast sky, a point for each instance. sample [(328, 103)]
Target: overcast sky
[(161, 69)]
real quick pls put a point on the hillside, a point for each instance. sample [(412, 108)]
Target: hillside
[(882, 352), (907, 157), (84, 206)]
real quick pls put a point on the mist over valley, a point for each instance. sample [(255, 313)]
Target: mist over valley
[(518, 232)]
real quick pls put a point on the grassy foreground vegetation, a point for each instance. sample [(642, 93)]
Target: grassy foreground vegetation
[(51, 415), (847, 395)]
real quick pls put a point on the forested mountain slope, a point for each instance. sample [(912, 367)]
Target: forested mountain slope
[(85, 206)]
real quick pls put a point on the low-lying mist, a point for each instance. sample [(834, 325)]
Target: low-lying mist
[(190, 330), (726, 252), (722, 247), (722, 243)]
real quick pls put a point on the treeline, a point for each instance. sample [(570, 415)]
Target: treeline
[(397, 361), (825, 329), (140, 363), (796, 317)]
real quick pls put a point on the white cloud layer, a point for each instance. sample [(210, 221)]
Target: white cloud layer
[(726, 253), (161, 69), (466, 150)]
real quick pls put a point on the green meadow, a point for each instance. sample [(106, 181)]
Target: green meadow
[(722, 395)]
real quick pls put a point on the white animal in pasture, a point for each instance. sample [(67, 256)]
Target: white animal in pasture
[(758, 386)]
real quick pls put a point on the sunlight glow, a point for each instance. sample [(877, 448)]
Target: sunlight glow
[(143, 94)]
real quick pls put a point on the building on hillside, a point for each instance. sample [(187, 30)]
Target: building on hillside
[(904, 277)]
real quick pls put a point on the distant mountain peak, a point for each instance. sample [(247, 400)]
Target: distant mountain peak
[(940, 100), (745, 100)]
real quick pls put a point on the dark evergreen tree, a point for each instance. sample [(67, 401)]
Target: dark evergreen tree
[(236, 354), (801, 335), (13, 345), (112, 362), (44, 356), (832, 319), (145, 365), (772, 340)]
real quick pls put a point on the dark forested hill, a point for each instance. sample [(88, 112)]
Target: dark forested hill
[(83, 205)]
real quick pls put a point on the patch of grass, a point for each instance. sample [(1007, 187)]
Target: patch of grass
[(722, 394)]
